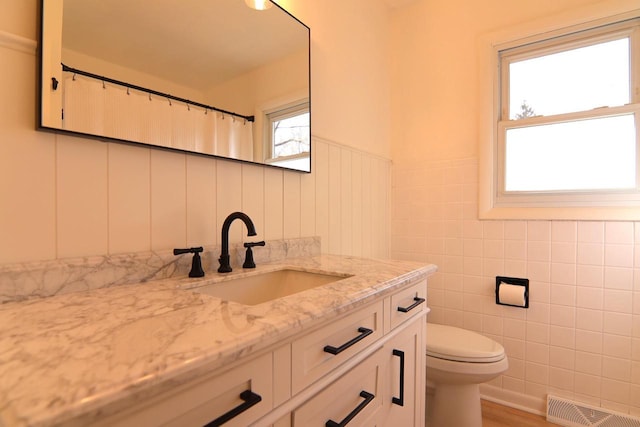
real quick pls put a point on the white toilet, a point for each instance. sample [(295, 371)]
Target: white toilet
[(459, 360)]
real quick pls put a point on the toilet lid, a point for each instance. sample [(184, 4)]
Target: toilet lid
[(451, 343)]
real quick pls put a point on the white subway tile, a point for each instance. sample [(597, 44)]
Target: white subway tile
[(619, 232), (588, 384), (616, 369), (537, 333), (590, 253), (515, 249), (472, 321), (589, 320), (539, 271), (616, 255), (517, 368), (617, 323), (513, 384), (564, 252), (563, 294), (538, 251), (588, 363), (493, 249), (515, 230), (537, 372), (562, 315), (539, 231), (590, 275), (493, 230), (588, 341), (590, 297), (592, 232), (514, 328), (616, 346), (472, 228), (561, 357), (515, 268), (561, 379), (618, 278), (563, 274), (616, 391), (564, 231), (618, 301), (538, 312)]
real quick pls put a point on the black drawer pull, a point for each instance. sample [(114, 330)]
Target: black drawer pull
[(250, 399), (368, 397), (400, 400), (417, 302), (335, 350)]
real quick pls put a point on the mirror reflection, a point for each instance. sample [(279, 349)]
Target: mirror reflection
[(211, 77)]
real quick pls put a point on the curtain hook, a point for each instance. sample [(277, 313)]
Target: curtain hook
[(149, 97), (128, 91), (169, 99), (74, 77), (188, 107), (103, 85)]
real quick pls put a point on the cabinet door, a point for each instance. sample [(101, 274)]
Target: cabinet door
[(405, 377)]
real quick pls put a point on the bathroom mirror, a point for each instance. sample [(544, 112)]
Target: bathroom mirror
[(213, 77)]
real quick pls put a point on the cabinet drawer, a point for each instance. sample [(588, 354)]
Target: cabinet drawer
[(407, 303), (312, 354), (357, 394), (198, 403)]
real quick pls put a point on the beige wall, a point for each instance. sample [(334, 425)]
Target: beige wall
[(64, 196), (580, 338)]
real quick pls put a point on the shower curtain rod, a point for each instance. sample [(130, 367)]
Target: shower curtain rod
[(153, 92)]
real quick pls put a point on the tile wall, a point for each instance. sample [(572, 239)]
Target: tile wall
[(579, 339)]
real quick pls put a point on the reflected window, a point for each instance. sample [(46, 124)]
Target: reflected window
[(289, 135)]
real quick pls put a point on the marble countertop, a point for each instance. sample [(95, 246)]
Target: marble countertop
[(70, 358)]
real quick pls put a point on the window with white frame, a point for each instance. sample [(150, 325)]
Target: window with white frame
[(567, 127), (287, 134)]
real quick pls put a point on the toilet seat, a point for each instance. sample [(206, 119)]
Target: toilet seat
[(461, 345)]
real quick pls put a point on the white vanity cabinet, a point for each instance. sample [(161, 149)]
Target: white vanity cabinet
[(365, 368), (386, 388)]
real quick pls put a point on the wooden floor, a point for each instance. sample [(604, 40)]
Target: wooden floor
[(495, 415)]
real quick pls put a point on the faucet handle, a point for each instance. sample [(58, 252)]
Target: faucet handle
[(252, 244), (196, 263), (248, 259)]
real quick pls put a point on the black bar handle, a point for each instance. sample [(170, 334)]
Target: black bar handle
[(188, 250), (417, 302), (368, 397), (336, 350), (400, 400), (250, 398), (254, 244)]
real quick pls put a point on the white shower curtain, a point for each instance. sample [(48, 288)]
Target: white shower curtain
[(234, 137), (93, 107)]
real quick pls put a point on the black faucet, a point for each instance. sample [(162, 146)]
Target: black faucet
[(225, 267)]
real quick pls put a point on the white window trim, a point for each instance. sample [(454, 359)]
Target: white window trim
[(489, 96)]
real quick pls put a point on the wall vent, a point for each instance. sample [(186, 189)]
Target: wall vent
[(573, 414)]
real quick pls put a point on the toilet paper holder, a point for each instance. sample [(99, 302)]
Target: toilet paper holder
[(515, 281)]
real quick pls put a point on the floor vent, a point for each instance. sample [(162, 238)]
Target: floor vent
[(571, 414)]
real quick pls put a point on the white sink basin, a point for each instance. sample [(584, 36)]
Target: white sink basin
[(253, 290)]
